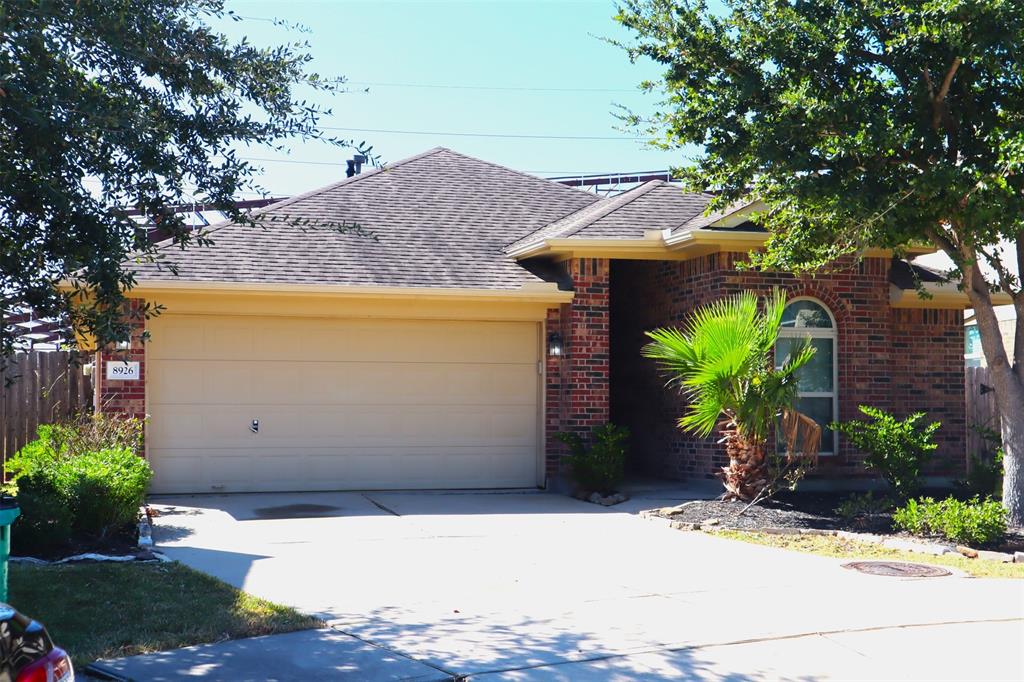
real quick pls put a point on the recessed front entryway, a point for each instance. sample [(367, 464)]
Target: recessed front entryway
[(262, 403)]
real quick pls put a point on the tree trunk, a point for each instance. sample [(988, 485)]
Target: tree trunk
[(747, 473), (1008, 382), (1011, 420)]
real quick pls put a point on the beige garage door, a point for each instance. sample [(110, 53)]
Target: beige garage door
[(341, 404)]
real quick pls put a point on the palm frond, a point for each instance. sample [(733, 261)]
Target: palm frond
[(722, 362)]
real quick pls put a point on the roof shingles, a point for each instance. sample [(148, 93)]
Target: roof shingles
[(654, 205), (440, 219)]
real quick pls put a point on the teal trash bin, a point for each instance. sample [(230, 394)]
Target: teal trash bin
[(9, 510)]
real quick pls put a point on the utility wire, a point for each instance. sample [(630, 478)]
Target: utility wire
[(495, 88), (559, 174), (515, 136)]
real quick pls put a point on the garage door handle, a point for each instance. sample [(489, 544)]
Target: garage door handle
[(255, 426)]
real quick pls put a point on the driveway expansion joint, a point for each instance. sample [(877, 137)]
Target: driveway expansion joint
[(456, 677), (380, 506), (669, 648)]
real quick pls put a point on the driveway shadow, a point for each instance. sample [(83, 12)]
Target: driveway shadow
[(528, 650)]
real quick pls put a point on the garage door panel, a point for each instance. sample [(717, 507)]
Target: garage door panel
[(281, 426), (244, 470), (341, 404), (341, 383), (243, 338)]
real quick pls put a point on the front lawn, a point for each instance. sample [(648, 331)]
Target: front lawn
[(828, 545), (108, 610)]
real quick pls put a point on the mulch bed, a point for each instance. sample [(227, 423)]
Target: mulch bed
[(114, 544), (803, 510)]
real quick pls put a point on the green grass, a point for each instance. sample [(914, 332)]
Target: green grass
[(827, 545), (110, 610)]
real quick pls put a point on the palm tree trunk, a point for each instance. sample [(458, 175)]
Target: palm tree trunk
[(747, 473)]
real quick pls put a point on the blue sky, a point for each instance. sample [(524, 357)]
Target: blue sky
[(512, 44)]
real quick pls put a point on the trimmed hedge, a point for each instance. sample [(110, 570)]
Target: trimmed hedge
[(77, 482)]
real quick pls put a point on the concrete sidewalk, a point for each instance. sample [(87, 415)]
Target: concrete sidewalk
[(541, 586)]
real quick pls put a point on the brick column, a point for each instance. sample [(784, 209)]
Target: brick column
[(578, 384), (119, 396)]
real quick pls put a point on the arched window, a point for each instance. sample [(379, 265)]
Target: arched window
[(805, 317)]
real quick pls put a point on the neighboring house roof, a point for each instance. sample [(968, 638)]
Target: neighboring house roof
[(906, 275), (439, 219), (654, 205), (735, 212)]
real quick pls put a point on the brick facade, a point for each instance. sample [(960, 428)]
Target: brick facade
[(899, 360), (126, 398), (578, 382)]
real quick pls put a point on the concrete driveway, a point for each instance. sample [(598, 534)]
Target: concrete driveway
[(537, 586)]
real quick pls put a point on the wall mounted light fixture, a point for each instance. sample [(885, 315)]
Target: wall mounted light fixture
[(554, 344)]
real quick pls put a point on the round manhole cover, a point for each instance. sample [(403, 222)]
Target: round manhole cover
[(897, 569)]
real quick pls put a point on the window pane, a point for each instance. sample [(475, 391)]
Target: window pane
[(783, 347), (972, 340), (820, 410), (805, 314), (816, 375)]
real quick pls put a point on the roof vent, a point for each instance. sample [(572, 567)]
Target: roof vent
[(355, 165)]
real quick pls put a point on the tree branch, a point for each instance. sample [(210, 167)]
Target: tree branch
[(988, 325), (948, 246), (948, 80), (938, 98), (1005, 277)]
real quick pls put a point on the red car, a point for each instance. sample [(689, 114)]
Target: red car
[(27, 654)]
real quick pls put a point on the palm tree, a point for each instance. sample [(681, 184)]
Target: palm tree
[(722, 361)]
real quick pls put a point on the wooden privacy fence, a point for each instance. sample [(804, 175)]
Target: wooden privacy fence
[(981, 409), (39, 388)]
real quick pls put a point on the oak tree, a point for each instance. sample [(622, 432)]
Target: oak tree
[(107, 105), (861, 123)]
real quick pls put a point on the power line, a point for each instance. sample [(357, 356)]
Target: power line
[(559, 174), (493, 88), (516, 136)]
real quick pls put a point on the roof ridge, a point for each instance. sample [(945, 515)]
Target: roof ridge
[(633, 195), (607, 207), (574, 190)]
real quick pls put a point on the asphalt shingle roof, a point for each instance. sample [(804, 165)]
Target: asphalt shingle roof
[(439, 219), (654, 205)]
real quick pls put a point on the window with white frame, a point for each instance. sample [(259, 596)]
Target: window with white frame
[(818, 392)]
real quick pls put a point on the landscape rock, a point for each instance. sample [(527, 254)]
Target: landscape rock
[(1018, 557), (594, 498), (995, 556), (685, 525), (967, 551), (816, 531), (711, 522)]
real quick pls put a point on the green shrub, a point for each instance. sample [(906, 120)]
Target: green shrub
[(109, 487), (77, 480), (46, 519), (600, 467), (93, 433), (974, 522), (896, 449)]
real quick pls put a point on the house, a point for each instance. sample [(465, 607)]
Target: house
[(485, 311), (973, 354)]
